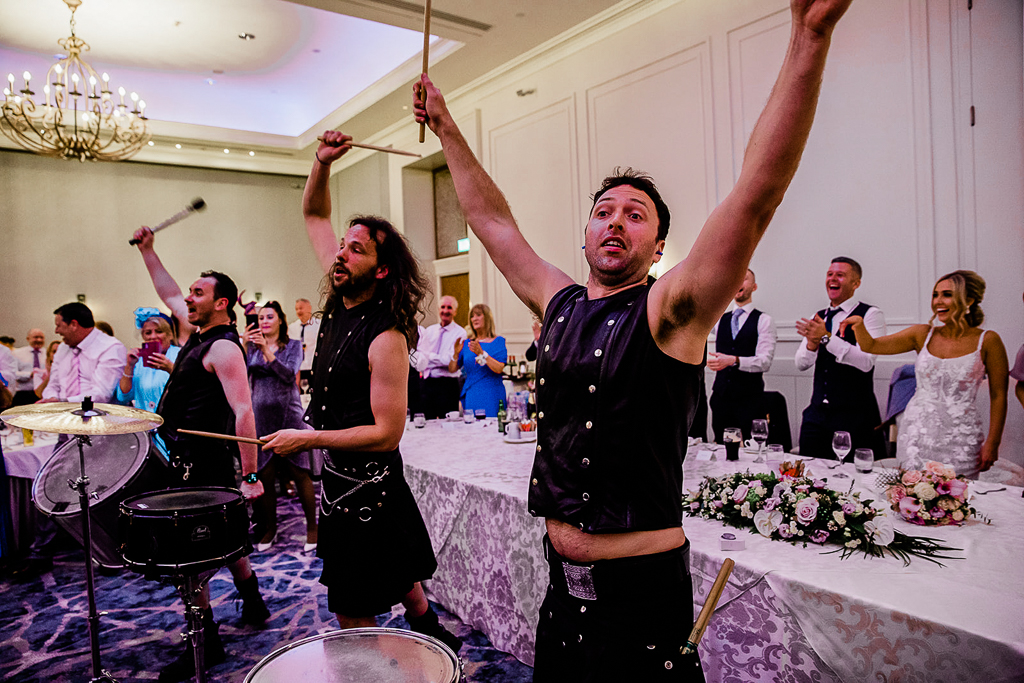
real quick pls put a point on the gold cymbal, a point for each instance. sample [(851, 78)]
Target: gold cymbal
[(69, 418)]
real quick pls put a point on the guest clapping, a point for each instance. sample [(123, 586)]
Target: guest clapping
[(482, 359), (51, 349), (941, 421), (273, 361), (148, 367)]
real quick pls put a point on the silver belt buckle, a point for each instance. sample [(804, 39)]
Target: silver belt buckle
[(580, 581)]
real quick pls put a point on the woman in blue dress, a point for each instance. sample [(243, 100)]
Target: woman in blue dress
[(482, 359), (143, 378), (273, 361)]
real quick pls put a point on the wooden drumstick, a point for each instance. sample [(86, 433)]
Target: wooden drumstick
[(225, 437), (390, 150), (426, 56), (701, 624)]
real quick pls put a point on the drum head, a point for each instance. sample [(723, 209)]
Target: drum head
[(110, 463), (360, 655), (183, 500)]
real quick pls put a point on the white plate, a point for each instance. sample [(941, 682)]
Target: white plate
[(526, 439)]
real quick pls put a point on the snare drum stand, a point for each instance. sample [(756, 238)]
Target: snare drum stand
[(82, 486), (189, 587)]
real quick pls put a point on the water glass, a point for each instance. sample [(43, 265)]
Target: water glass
[(841, 444), (863, 460), (419, 419), (776, 454)]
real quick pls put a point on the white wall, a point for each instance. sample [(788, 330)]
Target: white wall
[(893, 175)]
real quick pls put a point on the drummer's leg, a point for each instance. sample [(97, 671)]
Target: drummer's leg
[(254, 610), (267, 503), (307, 497), (423, 619), (355, 622)]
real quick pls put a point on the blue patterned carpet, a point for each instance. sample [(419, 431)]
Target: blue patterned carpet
[(44, 636)]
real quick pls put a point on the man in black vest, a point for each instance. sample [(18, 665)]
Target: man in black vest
[(208, 390), (844, 393), (373, 542), (744, 349), (608, 466)]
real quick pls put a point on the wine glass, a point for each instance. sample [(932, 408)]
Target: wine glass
[(759, 433), (841, 444)]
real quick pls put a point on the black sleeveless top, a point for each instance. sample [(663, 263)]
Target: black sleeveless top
[(341, 371), (844, 386), (613, 413), (732, 380)]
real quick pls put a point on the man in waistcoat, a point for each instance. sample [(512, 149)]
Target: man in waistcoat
[(744, 348), (617, 377), (844, 393), (373, 542), (208, 390)]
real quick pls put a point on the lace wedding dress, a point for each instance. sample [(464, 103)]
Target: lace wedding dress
[(941, 421)]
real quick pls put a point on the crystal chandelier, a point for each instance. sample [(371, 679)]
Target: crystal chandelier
[(79, 118)]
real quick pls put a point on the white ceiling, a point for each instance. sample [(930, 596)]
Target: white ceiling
[(313, 64)]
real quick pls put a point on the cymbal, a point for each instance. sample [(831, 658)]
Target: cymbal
[(69, 418)]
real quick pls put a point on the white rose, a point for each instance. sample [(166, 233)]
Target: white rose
[(766, 522), (925, 491)]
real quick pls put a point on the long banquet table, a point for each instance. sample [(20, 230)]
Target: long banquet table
[(788, 612)]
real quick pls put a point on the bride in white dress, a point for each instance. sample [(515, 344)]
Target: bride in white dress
[(941, 421)]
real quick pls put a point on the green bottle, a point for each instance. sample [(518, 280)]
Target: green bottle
[(501, 416)]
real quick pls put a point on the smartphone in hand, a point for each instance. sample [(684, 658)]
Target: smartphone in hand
[(148, 349), (252, 319)]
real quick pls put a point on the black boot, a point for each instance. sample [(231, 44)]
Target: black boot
[(428, 625), (184, 667), (254, 610)]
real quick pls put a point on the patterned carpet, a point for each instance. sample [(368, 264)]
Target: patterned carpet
[(44, 636)]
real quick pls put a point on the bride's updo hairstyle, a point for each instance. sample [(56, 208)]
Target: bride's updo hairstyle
[(966, 285)]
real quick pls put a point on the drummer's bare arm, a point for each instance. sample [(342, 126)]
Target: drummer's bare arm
[(225, 360), (389, 384), (166, 288), (316, 199)]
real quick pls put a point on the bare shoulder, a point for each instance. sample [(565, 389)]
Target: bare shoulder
[(387, 346), (221, 353)]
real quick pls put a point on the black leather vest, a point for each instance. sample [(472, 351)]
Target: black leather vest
[(193, 397), (341, 371), (842, 386), (732, 381), (613, 412)]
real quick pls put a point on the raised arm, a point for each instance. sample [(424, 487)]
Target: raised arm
[(909, 339), (687, 301), (533, 279), (166, 288), (389, 385), (316, 199), (225, 360), (997, 367)]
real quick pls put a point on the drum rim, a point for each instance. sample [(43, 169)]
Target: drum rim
[(186, 511), (38, 480), (372, 630)]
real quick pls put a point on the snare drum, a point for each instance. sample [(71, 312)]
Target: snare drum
[(184, 531), (118, 466), (361, 655)]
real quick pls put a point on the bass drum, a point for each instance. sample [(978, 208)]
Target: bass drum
[(361, 655), (118, 466)]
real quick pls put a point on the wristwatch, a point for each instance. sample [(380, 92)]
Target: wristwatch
[(824, 339), (250, 478)]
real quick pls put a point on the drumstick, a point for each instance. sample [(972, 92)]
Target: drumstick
[(701, 624), (426, 57), (390, 150), (226, 437)]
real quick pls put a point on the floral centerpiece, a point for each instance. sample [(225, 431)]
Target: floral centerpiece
[(800, 509), (933, 496)]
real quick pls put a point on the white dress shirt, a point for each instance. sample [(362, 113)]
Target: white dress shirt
[(430, 358), (8, 367), (764, 352), (845, 352), (101, 360), (29, 377), (307, 338)]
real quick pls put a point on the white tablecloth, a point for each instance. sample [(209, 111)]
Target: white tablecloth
[(23, 462), (788, 612)]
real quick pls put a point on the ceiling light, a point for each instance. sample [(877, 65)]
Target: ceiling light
[(177, 146), (246, 36), (72, 123), (150, 143), (227, 151), (251, 153)]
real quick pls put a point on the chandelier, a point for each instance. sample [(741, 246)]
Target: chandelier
[(78, 118)]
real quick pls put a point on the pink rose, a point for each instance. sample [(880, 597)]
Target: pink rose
[(912, 477), (806, 510), (896, 494), (740, 494)]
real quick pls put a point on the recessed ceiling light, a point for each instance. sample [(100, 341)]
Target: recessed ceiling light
[(405, 107), (227, 151), (246, 36), (150, 143), (251, 153), (210, 81), (177, 146)]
